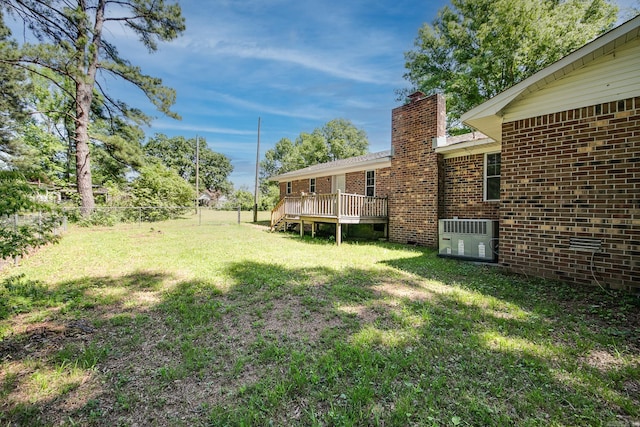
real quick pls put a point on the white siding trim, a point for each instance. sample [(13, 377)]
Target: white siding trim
[(609, 78), (487, 117)]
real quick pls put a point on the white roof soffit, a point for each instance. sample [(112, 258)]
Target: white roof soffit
[(354, 164), (487, 117), (476, 146)]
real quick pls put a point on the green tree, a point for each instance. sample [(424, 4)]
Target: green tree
[(41, 153), (160, 187), (312, 149), (13, 89), (343, 139), (19, 197), (269, 198), (475, 49), (43, 146), (179, 154), (78, 49), (45, 138), (337, 139), (116, 148), (282, 158), (241, 197)]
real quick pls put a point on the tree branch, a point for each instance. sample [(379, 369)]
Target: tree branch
[(19, 63)]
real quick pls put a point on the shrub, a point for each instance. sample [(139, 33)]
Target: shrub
[(25, 222)]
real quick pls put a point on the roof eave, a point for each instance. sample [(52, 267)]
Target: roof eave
[(487, 116), (485, 145), (338, 170)]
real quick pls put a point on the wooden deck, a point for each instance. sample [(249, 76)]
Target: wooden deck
[(337, 208)]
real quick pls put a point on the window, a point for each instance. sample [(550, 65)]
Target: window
[(492, 176), (288, 187), (312, 185), (370, 185)]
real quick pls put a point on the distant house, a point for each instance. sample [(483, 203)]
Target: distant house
[(205, 198), (553, 169), (212, 199)]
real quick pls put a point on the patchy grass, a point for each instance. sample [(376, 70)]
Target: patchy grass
[(224, 324)]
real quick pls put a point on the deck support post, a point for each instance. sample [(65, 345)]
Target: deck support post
[(301, 227), (338, 233), (313, 229)]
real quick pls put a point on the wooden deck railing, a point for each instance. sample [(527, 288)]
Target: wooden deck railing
[(319, 205), (287, 206), (355, 205), (337, 205), (277, 213)]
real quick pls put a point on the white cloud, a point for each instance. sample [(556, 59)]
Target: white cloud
[(177, 126), (307, 112), (333, 65)]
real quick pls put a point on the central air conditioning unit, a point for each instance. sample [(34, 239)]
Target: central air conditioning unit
[(473, 239)]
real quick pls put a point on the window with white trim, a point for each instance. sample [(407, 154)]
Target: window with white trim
[(288, 187), (312, 185), (492, 176), (370, 183)]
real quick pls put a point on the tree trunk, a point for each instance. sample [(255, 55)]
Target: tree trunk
[(84, 95), (87, 68)]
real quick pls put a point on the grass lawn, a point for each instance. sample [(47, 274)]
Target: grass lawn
[(176, 323)]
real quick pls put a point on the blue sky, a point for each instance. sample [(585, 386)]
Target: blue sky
[(296, 64)]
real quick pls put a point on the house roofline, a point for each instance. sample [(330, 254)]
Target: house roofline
[(380, 160), (487, 117), (477, 146)]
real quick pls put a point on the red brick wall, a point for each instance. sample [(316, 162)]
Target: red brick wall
[(300, 186), (323, 185), (382, 182), (463, 189), (573, 174), (415, 179), (354, 182)]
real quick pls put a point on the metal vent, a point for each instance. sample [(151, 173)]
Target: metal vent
[(461, 226), (585, 244)]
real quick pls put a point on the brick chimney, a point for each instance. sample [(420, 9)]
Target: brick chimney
[(416, 171)]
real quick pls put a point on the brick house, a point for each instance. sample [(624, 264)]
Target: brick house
[(555, 162)]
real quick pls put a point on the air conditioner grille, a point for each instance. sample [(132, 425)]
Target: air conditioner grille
[(461, 226)]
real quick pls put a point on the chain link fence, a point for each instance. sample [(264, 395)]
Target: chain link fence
[(36, 220), (111, 215), (108, 216)]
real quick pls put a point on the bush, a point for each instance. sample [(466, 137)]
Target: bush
[(242, 198), (159, 187), (20, 232)]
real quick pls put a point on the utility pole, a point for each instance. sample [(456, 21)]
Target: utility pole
[(197, 173), (255, 194)]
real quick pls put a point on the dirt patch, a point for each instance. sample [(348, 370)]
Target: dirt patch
[(41, 339), (286, 317), (603, 360), (148, 378)]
